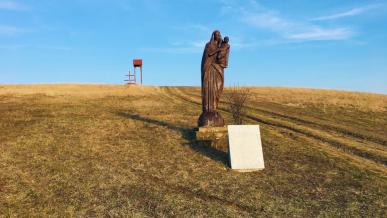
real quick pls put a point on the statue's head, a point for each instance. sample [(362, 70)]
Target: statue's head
[(216, 36), (226, 39)]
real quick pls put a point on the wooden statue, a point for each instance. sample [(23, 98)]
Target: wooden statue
[(214, 61)]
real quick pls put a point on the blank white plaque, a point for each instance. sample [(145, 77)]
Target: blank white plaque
[(245, 147)]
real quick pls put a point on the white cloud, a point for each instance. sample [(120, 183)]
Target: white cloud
[(10, 30), (323, 34), (198, 44), (34, 47), (285, 30), (350, 13), (12, 5), (293, 30), (58, 48), (184, 46), (171, 50), (13, 47), (179, 47), (193, 28), (267, 20), (255, 15)]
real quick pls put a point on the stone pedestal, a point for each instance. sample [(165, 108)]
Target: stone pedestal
[(211, 133), (210, 119), (214, 136)]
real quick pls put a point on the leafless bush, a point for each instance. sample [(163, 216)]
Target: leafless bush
[(237, 98)]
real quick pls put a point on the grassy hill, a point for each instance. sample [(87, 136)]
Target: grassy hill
[(112, 150)]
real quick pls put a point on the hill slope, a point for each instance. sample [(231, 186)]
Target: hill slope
[(92, 150)]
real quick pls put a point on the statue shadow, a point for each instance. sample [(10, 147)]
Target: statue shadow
[(187, 133)]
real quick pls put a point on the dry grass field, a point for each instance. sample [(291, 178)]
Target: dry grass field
[(115, 150)]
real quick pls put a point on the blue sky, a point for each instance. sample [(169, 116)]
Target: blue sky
[(334, 44)]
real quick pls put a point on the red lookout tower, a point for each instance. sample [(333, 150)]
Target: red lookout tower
[(132, 77)]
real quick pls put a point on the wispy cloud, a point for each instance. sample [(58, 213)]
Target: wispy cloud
[(35, 47), (267, 20), (170, 50), (323, 34), (191, 44), (13, 46), (10, 30), (178, 47), (192, 28), (13, 5), (57, 48), (196, 47), (294, 30), (284, 29), (349, 13), (258, 16)]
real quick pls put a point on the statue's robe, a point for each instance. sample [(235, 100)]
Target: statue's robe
[(212, 78)]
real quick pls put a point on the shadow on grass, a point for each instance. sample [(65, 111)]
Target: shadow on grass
[(187, 133)]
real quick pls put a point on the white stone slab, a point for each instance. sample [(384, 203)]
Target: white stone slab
[(245, 147)]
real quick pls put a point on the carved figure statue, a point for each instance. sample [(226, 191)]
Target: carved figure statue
[(214, 61)]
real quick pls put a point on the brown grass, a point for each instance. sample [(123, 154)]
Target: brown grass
[(299, 97), (112, 150)]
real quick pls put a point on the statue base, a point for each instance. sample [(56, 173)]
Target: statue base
[(215, 137), (211, 133), (210, 119)]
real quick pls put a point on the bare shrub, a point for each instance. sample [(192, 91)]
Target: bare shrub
[(237, 98)]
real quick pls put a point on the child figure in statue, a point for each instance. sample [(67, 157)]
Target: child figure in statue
[(224, 50)]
